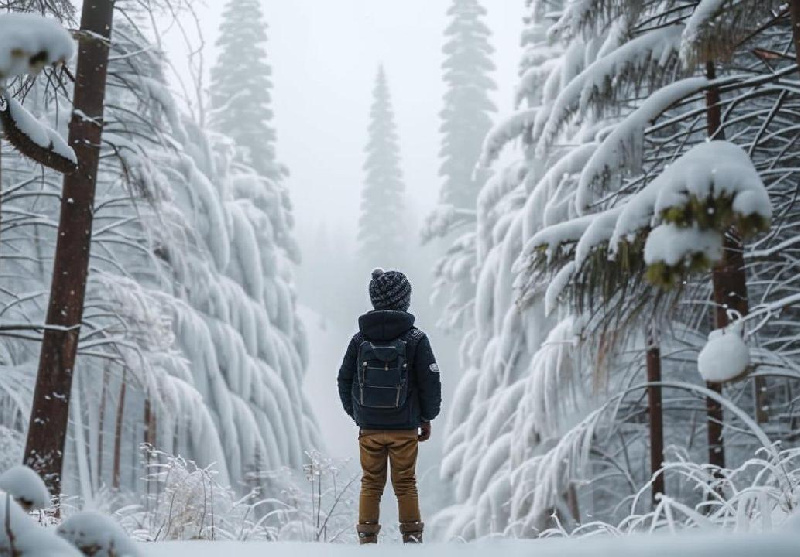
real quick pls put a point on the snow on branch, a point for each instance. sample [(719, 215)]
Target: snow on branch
[(695, 201), (725, 357), (717, 173), (504, 132), (540, 482), (651, 52), (21, 535), (717, 27), (26, 487), (30, 42), (683, 213), (34, 139), (579, 16), (671, 246), (623, 148), (551, 238), (443, 220)]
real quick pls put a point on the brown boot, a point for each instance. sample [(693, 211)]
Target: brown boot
[(412, 531), (368, 532)]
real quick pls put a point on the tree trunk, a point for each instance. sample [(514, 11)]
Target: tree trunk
[(49, 420), (716, 447), (102, 425), (149, 439), (573, 503), (655, 410), (149, 423), (118, 432), (794, 8), (730, 293)]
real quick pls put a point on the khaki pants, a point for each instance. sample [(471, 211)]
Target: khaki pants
[(400, 449)]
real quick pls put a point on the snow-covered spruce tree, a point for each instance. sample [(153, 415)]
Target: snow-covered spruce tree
[(241, 86), (466, 116), (189, 249), (609, 106), (466, 119), (500, 348), (383, 233), (212, 264)]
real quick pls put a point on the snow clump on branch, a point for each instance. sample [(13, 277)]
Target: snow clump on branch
[(26, 487), (30, 42), (725, 357)]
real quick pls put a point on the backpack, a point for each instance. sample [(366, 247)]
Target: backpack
[(382, 374)]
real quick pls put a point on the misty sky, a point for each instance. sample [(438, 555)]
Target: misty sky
[(324, 55)]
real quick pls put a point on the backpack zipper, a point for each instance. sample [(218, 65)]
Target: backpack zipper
[(361, 381), (400, 389)]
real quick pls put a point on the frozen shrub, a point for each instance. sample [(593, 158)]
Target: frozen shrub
[(186, 502)]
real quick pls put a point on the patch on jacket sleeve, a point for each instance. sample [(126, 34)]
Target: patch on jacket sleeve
[(434, 367)]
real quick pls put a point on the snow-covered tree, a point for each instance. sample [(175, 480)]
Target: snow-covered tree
[(466, 116), (189, 339), (616, 176), (466, 120), (383, 232), (241, 86)]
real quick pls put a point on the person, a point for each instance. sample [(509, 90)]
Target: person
[(389, 384)]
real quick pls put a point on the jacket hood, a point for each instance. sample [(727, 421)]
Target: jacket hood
[(384, 325)]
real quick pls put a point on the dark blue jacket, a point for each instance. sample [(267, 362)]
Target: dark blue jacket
[(425, 390)]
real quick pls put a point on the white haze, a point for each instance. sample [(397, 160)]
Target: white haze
[(324, 57)]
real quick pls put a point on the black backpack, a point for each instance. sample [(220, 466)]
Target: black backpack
[(382, 374)]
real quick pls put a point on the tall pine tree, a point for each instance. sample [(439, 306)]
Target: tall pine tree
[(241, 85), (466, 117), (383, 231)]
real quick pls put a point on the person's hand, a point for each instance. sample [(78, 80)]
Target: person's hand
[(425, 431)]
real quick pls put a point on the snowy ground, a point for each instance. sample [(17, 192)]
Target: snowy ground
[(783, 545)]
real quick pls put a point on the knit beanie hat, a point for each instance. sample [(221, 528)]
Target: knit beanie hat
[(390, 290)]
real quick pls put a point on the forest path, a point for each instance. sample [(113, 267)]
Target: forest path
[(691, 545)]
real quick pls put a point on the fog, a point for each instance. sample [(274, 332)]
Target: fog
[(324, 57)]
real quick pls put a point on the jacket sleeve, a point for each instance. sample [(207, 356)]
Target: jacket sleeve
[(347, 376), (430, 387)]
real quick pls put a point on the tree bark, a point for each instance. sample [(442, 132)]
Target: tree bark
[(729, 282), (716, 447), (115, 478), (102, 425), (149, 439), (655, 410), (47, 430), (794, 9)]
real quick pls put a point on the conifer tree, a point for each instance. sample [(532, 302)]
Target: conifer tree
[(466, 116), (382, 228), (241, 86)]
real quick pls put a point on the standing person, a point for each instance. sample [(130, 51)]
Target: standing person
[(389, 384)]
